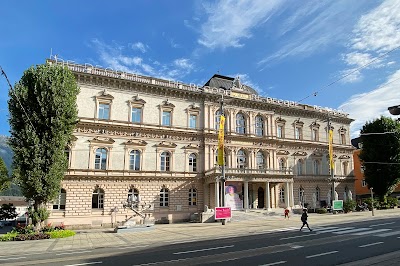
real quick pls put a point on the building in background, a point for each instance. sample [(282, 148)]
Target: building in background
[(157, 140)]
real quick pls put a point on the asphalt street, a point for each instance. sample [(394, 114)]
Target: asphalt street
[(332, 244)]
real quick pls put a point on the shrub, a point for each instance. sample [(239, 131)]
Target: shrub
[(37, 236), (8, 237), (60, 233), (349, 205), (392, 202), (321, 210), (22, 229), (47, 228), (368, 201)]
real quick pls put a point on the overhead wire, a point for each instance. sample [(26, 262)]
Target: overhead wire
[(348, 74)]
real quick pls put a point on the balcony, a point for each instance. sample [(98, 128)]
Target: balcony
[(248, 172)]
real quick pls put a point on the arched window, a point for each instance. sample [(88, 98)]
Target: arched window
[(98, 199), (282, 164), (133, 195), (282, 194), (259, 126), (164, 197), (301, 195), (300, 167), (241, 159), (134, 160), (260, 160), (240, 124), (100, 161), (192, 162), (192, 197), (345, 168), (316, 167), (67, 152), (60, 201), (317, 193), (165, 161)]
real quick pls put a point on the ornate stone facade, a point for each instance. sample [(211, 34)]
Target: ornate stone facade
[(159, 139)]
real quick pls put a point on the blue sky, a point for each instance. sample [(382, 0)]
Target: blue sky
[(344, 52)]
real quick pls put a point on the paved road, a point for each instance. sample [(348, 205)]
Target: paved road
[(327, 244)]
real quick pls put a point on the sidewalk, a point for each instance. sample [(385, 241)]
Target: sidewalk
[(256, 222)]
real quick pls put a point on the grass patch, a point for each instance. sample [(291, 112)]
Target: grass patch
[(61, 233), (8, 237)]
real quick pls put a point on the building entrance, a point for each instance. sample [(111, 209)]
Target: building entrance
[(261, 196)]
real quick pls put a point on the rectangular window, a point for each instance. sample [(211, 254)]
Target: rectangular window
[(342, 139), (166, 118), (297, 133), (314, 135), (104, 111), (279, 132), (136, 115), (363, 183), (193, 121)]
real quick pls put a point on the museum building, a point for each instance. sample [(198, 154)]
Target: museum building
[(157, 140)]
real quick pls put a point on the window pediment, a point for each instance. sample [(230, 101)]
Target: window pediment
[(342, 130), (298, 123), (344, 157), (300, 153), (102, 140), (317, 154), (315, 125), (191, 147), (167, 105), (193, 108), (280, 120), (165, 144), (104, 95), (137, 101), (282, 152), (135, 142)]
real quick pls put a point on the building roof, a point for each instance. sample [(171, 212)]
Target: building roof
[(226, 83)]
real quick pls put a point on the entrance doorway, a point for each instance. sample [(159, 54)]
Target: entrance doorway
[(261, 198)]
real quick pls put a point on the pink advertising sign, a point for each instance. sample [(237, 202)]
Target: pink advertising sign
[(223, 213)]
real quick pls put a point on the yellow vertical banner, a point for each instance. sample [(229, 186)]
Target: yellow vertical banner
[(221, 140), (331, 163)]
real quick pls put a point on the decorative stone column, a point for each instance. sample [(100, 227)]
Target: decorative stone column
[(216, 192), (292, 195), (246, 195), (267, 197), (287, 194)]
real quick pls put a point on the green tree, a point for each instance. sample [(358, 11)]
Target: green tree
[(380, 155), (7, 211), (43, 114), (5, 180)]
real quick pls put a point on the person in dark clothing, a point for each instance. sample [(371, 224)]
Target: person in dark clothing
[(304, 218)]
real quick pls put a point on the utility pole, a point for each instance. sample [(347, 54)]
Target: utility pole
[(331, 163), (223, 159), (372, 201)]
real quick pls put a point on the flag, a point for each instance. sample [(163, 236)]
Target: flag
[(331, 163), (221, 140)]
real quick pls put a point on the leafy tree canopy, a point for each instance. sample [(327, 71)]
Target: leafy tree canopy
[(380, 155), (8, 211), (5, 180), (43, 114)]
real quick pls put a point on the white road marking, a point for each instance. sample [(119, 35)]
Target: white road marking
[(274, 263), (15, 258), (380, 224), (290, 237), (334, 230), (321, 254), (201, 250), (134, 247), (296, 247), (77, 252), (324, 228), (371, 232), (372, 244), (351, 231), (88, 263), (389, 234)]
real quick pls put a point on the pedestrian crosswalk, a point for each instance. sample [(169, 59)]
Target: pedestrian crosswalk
[(360, 231)]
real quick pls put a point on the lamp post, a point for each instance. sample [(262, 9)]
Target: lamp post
[(223, 179), (372, 201), (331, 164)]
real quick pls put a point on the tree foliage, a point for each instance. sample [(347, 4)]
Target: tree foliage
[(43, 114), (380, 155), (7, 211), (5, 180)]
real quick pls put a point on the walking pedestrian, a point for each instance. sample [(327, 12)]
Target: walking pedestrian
[(287, 213), (304, 217)]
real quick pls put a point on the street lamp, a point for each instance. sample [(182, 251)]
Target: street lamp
[(372, 201)]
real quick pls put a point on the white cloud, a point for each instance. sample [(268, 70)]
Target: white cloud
[(375, 34), (139, 46), (314, 28), (368, 106), (117, 58), (351, 76), (230, 21)]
